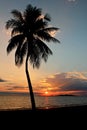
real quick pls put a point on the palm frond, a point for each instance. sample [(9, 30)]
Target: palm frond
[(11, 46), (36, 13), (35, 61), (12, 23), (31, 15), (28, 12), (44, 50), (49, 29), (20, 54), (16, 30), (17, 15), (38, 50), (46, 36), (17, 56), (47, 17), (29, 8), (39, 24), (24, 49), (13, 42)]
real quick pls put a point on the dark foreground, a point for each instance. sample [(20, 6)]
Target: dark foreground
[(63, 111), (71, 109), (53, 118)]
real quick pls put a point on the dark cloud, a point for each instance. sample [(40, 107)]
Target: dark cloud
[(2, 80), (67, 82), (71, 0), (13, 88)]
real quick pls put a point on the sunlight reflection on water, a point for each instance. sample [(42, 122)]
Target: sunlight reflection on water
[(23, 101)]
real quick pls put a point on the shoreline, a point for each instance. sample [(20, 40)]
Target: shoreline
[(64, 117), (69, 114), (64, 108)]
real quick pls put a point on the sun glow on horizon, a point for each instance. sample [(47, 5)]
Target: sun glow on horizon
[(46, 92)]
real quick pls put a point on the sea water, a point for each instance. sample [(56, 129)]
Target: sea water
[(17, 101)]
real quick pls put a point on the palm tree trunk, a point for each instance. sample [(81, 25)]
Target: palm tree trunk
[(30, 85)]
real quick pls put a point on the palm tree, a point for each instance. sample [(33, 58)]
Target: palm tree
[(29, 31)]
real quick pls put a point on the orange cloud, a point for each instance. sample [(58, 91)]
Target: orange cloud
[(9, 86), (56, 84), (68, 83)]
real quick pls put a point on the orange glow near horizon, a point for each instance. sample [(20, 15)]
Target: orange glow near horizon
[(58, 84), (41, 92), (46, 93), (50, 93)]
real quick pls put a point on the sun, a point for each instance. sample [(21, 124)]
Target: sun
[(46, 92)]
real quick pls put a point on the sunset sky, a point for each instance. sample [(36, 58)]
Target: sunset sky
[(66, 70)]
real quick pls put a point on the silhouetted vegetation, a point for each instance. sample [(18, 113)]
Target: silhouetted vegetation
[(29, 31)]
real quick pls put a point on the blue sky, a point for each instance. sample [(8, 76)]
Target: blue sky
[(69, 56)]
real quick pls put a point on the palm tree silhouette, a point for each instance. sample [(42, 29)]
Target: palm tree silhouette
[(29, 31)]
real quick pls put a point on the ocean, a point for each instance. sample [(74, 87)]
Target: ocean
[(17, 101)]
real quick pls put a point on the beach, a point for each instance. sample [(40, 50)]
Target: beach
[(72, 110), (47, 113), (52, 118)]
